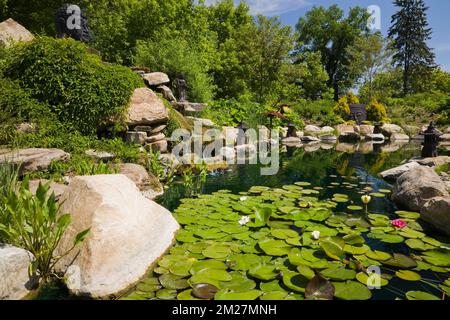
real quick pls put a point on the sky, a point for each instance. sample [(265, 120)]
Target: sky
[(438, 16)]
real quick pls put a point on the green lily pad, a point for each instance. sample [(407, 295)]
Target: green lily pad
[(262, 215), (263, 272), (388, 238), (173, 282), (271, 286), (217, 251), (227, 294), (340, 274), (186, 295), (351, 290), (408, 214), (355, 208), (378, 255), (417, 244), (207, 264), (181, 268), (295, 281), (438, 258), (408, 275), (373, 281), (306, 271), (302, 184), (401, 261), (353, 239), (420, 295), (378, 195), (274, 295), (166, 294), (238, 283), (284, 233), (334, 248), (275, 247), (243, 262)]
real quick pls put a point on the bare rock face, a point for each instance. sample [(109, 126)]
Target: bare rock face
[(146, 182), (12, 31), (417, 186), (33, 159), (445, 137), (394, 173), (437, 213), (56, 188), (399, 137), (327, 130), (128, 235), (158, 146), (433, 162), (135, 137), (365, 130), (156, 78), (390, 129), (15, 284), (146, 108), (311, 130), (167, 93), (341, 128)]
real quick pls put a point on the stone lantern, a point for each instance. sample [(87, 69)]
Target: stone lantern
[(431, 141), (292, 131)]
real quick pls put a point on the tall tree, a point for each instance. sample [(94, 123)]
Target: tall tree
[(410, 32), (371, 55), (330, 33)]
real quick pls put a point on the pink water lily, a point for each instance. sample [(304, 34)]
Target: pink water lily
[(399, 223)]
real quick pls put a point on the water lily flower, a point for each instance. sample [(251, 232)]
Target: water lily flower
[(399, 223), (315, 235), (244, 220), (366, 199), (243, 198)]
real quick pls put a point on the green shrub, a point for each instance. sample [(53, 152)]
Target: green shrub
[(316, 111), (76, 85), (176, 58), (376, 111), (342, 109), (35, 224), (9, 177)]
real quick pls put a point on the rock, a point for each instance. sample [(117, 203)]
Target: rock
[(158, 146), (189, 107), (26, 128), (437, 213), (129, 233), (374, 137), (447, 130), (169, 160), (292, 142), (411, 130), (365, 130), (328, 137), (156, 137), (308, 139), (166, 93), (12, 31), (15, 283), (156, 78), (146, 182), (445, 137), (136, 137), (327, 130), (399, 137), (157, 129), (349, 136), (346, 147), (100, 155), (394, 173), (146, 108), (205, 122), (300, 134), (341, 128), (33, 159), (312, 147), (417, 186), (326, 146), (393, 146), (143, 128), (56, 188), (433, 162), (311, 130), (389, 129)]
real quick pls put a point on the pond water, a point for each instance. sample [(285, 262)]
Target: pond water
[(318, 190)]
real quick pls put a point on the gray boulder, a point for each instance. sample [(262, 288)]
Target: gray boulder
[(33, 159), (399, 137), (417, 186), (374, 137), (11, 31), (437, 213), (154, 79), (15, 282), (394, 173), (390, 129)]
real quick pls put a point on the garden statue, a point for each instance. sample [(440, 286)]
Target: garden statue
[(358, 113), (182, 89), (431, 142), (292, 132), (71, 21)]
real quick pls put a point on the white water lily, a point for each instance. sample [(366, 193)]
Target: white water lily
[(366, 199), (243, 198), (244, 220), (315, 235)]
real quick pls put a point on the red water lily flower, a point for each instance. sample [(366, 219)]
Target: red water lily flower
[(399, 223)]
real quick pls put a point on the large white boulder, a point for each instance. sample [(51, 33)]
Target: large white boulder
[(33, 159), (311, 130), (12, 31), (156, 78), (15, 283), (390, 129), (394, 173), (129, 233), (146, 108), (146, 182), (437, 213)]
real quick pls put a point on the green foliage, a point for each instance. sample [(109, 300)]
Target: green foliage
[(78, 87), (342, 108), (36, 224), (164, 172), (176, 58), (319, 111), (9, 177), (376, 111), (313, 77), (322, 27)]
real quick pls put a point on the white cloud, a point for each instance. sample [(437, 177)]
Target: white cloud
[(270, 7)]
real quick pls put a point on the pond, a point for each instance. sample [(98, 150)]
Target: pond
[(247, 236)]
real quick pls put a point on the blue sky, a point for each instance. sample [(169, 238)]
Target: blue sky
[(438, 16)]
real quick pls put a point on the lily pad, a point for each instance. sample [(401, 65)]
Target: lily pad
[(355, 208), (186, 295), (207, 264), (173, 282), (420, 295), (373, 281), (227, 294), (340, 274), (275, 247), (334, 248), (274, 295), (204, 290), (351, 290), (238, 283), (438, 258), (262, 215), (319, 288), (217, 251), (263, 272), (408, 275), (295, 281), (166, 294), (401, 261)]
